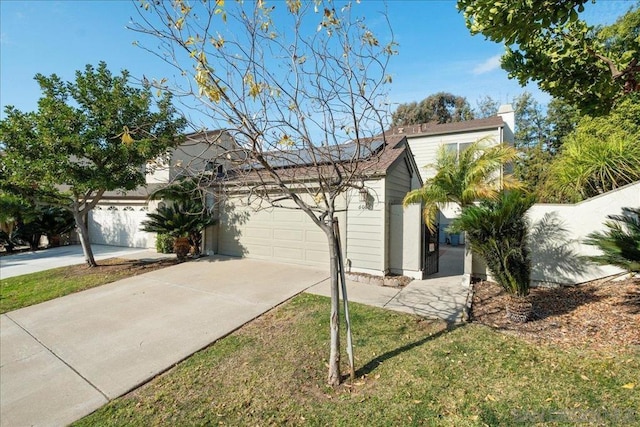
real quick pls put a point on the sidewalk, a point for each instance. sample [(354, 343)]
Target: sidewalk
[(62, 256)]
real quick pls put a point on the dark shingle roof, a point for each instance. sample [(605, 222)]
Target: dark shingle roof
[(433, 128), (387, 151)]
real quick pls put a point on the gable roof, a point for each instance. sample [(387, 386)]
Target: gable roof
[(433, 128)]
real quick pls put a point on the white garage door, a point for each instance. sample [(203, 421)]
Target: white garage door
[(281, 235), (119, 226)]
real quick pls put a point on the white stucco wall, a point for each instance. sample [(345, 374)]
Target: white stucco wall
[(557, 232)]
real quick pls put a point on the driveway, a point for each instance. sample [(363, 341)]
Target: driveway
[(63, 359), (45, 259)]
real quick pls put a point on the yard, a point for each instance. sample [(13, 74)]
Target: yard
[(410, 371), (577, 363)]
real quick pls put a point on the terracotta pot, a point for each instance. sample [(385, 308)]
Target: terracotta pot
[(181, 247)]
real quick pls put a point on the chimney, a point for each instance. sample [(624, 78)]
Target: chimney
[(509, 118)]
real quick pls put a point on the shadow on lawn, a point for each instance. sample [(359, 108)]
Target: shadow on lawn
[(374, 363)]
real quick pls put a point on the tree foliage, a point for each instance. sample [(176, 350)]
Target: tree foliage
[(301, 88), (546, 42), (601, 154), (539, 136), (620, 243), (87, 137), (486, 107), (441, 107), (473, 174)]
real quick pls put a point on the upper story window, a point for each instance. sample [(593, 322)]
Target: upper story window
[(457, 147), (214, 168)]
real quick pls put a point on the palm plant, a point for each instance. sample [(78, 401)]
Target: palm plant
[(601, 154), (181, 220), (472, 175), (620, 243), (189, 211), (497, 231)]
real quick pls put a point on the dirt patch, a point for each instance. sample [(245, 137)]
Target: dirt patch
[(120, 266), (602, 314)]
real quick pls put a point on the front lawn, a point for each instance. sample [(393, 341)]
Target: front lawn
[(22, 291), (410, 371)]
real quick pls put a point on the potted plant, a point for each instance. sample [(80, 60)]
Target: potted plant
[(182, 222), (497, 231)]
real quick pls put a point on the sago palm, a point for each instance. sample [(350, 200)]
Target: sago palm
[(497, 231), (474, 174), (620, 243)]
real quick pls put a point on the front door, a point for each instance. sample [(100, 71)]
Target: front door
[(431, 251)]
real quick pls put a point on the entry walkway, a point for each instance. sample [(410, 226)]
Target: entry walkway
[(440, 296)]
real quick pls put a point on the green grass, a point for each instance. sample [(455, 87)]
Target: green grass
[(410, 372), (22, 291)]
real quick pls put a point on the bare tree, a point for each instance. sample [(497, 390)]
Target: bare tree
[(300, 86)]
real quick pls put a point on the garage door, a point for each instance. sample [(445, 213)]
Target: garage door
[(119, 226), (282, 235)]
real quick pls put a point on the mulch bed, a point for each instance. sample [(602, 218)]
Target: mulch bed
[(121, 265), (598, 314)]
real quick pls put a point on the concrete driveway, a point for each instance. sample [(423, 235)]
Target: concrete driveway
[(46, 259), (62, 359)]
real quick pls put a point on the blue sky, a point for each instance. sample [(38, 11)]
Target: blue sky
[(436, 51)]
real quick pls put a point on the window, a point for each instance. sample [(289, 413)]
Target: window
[(213, 168), (457, 147)]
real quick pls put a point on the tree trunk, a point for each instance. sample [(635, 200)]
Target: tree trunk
[(83, 232), (334, 325), (345, 301)]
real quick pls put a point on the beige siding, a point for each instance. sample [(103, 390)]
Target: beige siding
[(191, 158), (425, 148), (274, 234), (398, 182), (366, 229)]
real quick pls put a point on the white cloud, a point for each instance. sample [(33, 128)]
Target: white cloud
[(490, 64)]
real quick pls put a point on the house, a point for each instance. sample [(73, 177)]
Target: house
[(378, 236), (425, 139), (117, 218)]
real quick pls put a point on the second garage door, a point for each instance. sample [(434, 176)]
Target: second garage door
[(275, 234)]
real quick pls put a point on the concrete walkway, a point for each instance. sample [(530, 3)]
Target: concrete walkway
[(63, 359), (440, 296)]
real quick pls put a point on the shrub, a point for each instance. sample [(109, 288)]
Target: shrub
[(164, 243)]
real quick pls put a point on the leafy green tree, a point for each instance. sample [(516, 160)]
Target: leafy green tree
[(620, 243), (473, 175), (87, 137), (561, 119), (546, 42), (601, 154), (441, 107), (497, 231), (486, 107)]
